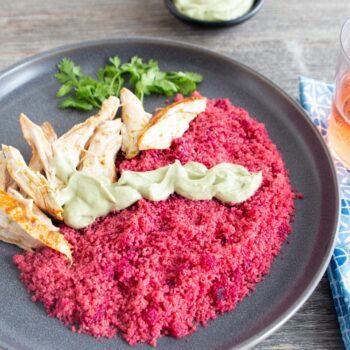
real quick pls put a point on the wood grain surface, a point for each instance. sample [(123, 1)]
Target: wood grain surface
[(284, 40)]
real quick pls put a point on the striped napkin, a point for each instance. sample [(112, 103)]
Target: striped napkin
[(316, 98)]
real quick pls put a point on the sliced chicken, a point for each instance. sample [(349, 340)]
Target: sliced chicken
[(35, 164), (41, 147), (171, 122), (6, 181), (103, 147), (134, 119), (20, 226), (49, 132), (71, 144), (32, 208), (32, 183)]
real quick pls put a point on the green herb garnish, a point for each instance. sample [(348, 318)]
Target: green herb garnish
[(85, 93)]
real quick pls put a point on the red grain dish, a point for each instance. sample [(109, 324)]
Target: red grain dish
[(164, 268)]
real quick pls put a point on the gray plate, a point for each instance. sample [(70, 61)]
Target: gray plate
[(30, 87)]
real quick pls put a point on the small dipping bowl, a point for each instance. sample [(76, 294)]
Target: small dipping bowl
[(254, 9)]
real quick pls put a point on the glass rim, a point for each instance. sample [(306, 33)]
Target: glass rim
[(342, 33)]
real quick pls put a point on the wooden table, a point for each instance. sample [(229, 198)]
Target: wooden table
[(286, 39)]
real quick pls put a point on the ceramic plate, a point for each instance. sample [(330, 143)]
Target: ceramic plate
[(30, 87)]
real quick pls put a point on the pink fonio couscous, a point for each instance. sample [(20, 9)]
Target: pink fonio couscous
[(164, 268)]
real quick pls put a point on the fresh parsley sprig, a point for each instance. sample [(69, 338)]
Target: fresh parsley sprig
[(84, 92)]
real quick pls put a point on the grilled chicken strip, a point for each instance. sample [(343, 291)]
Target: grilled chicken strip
[(41, 147), (49, 132), (171, 122), (134, 121), (32, 183), (71, 144), (20, 226), (105, 143), (35, 163), (6, 181), (32, 208)]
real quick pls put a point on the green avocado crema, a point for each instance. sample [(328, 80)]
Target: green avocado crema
[(214, 10), (85, 197)]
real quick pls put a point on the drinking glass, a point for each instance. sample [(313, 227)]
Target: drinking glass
[(339, 120)]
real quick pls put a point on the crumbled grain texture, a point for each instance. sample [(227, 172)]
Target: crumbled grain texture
[(163, 268)]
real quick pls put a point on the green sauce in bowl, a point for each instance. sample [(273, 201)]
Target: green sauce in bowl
[(214, 10)]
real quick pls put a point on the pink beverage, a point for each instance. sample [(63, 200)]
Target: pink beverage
[(339, 121)]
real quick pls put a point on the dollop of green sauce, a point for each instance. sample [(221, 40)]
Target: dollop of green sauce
[(214, 10), (85, 197)]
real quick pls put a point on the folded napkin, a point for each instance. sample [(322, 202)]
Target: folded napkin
[(316, 98)]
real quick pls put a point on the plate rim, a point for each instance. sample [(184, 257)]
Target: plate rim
[(304, 296)]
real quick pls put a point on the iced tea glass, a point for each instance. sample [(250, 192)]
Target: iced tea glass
[(339, 120)]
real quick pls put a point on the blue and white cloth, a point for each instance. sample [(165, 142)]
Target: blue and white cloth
[(316, 98)]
